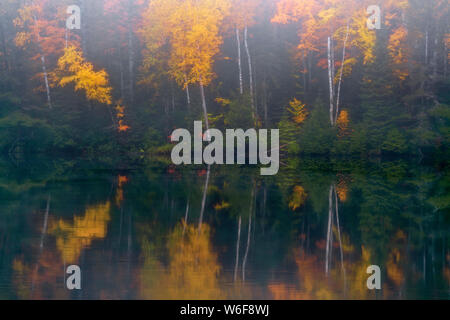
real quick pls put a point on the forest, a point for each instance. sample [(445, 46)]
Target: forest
[(135, 70), (91, 92)]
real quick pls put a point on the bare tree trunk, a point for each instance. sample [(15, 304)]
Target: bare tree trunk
[(304, 73), (238, 41), (186, 216), (205, 110), (44, 228), (122, 80), (265, 98), (188, 95), (329, 231), (309, 70), (339, 232), (435, 55), (340, 75), (205, 192), (47, 86), (249, 232), (41, 244), (426, 46), (330, 81), (44, 67), (173, 97), (83, 28), (250, 68), (237, 249), (131, 61), (4, 46)]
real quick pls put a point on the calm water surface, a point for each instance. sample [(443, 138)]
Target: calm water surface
[(160, 232)]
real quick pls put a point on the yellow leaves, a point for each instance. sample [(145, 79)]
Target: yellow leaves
[(193, 267), (223, 101), (298, 111), (393, 268), (397, 49), (73, 237), (363, 38), (191, 28), (298, 198), (72, 68), (221, 206), (343, 122)]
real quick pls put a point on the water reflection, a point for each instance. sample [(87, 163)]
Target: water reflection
[(159, 232)]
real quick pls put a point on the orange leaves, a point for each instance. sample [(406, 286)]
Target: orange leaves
[(242, 13), (72, 68), (447, 44), (120, 114), (298, 111), (342, 188), (40, 24), (121, 181)]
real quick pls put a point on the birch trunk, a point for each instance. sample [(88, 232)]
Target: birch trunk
[(249, 232), (339, 231), (250, 68), (237, 249), (329, 230), (265, 98), (205, 191), (131, 61), (188, 95), (340, 75), (186, 217), (205, 110), (435, 56), (47, 86), (83, 28), (330, 82), (122, 80), (4, 47), (44, 67), (238, 41)]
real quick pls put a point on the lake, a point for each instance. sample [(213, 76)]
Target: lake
[(151, 230)]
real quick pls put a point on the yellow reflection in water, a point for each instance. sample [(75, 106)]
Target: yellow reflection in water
[(193, 269), (72, 237)]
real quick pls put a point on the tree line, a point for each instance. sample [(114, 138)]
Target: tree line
[(137, 69)]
